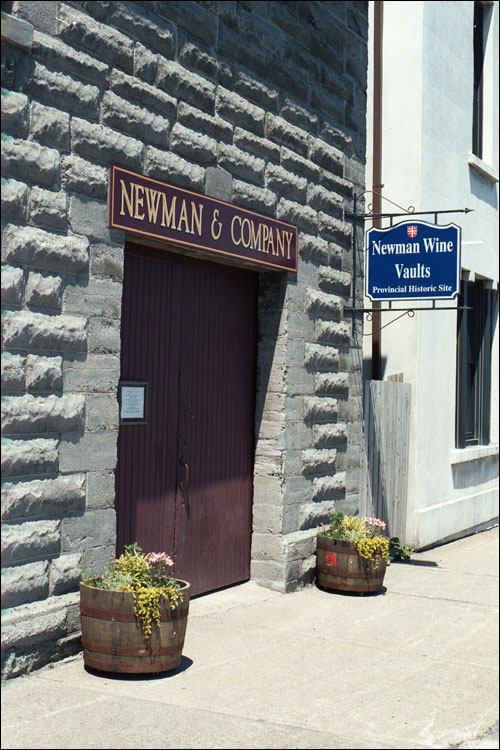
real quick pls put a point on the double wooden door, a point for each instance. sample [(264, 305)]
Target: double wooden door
[(184, 479)]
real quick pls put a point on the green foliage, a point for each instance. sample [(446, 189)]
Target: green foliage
[(146, 577), (397, 551)]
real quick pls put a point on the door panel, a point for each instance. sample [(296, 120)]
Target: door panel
[(184, 480)]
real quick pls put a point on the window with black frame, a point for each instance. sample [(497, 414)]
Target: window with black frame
[(475, 336)]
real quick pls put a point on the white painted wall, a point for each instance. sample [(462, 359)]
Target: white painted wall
[(427, 134)]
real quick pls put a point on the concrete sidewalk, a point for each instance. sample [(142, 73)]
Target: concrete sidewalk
[(415, 666)]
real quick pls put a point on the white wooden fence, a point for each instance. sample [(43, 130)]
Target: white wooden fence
[(384, 476)]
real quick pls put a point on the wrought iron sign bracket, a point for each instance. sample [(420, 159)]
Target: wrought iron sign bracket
[(410, 211)]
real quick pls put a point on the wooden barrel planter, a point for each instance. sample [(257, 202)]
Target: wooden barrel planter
[(112, 637), (339, 567)]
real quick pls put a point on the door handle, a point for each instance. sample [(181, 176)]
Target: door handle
[(185, 482)]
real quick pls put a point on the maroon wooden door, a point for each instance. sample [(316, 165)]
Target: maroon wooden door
[(184, 479)]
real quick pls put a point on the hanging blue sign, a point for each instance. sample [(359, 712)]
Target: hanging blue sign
[(413, 260)]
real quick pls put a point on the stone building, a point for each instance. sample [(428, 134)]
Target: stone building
[(254, 107)]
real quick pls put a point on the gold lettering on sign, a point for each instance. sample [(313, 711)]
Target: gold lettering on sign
[(256, 237), (195, 218), (288, 236), (235, 219), (139, 201), (126, 199), (216, 222), (167, 214), (152, 204)]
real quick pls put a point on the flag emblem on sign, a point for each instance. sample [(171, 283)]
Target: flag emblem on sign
[(412, 230)]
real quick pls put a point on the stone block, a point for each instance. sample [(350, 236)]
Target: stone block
[(37, 622), (96, 528), (12, 285), (249, 87), (255, 144), (313, 249), (266, 547), (17, 32), (335, 383), (137, 121), (43, 373), (219, 184), (241, 50), (192, 18), (65, 574), (152, 30), (27, 330), (302, 216), (29, 540), (100, 489), (334, 229), (93, 297), (300, 165), (24, 583), (282, 132), (240, 111), (14, 201), (89, 452), (15, 113), (254, 198), (28, 457), (32, 414), (30, 162), (43, 291), (47, 208), (59, 88), (104, 336), (88, 217), (101, 40), (335, 332), (319, 408), (293, 81), (81, 176), (287, 183), (183, 84), (329, 487), (249, 168), (193, 145), (303, 118), (321, 357), (312, 515), (129, 87), (316, 461), (13, 372), (329, 435), (323, 304), (57, 55), (43, 497), (94, 373), (335, 281), (50, 126), (104, 145), (106, 261), (102, 412), (164, 165), (34, 247), (212, 125), (267, 519), (199, 57), (145, 63)]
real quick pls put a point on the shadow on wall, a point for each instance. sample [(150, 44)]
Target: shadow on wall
[(477, 472), (483, 188)]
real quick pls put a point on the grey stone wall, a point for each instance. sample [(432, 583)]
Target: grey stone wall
[(258, 103)]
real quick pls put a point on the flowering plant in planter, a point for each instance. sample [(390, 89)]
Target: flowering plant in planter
[(366, 533), (147, 577), (352, 554)]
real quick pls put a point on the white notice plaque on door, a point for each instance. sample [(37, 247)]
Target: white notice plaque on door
[(133, 402)]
